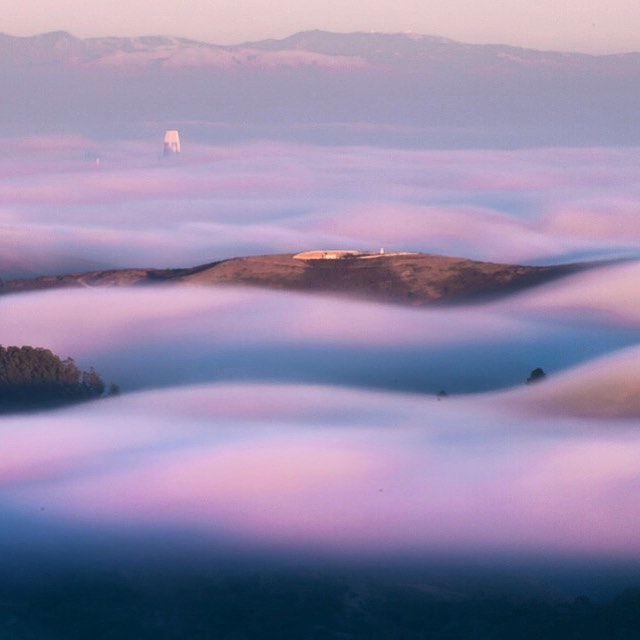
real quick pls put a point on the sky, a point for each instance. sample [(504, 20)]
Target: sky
[(592, 26)]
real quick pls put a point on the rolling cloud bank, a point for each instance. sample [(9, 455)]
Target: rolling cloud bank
[(257, 424), (291, 421), (59, 212)]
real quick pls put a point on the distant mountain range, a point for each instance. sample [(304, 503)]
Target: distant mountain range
[(374, 51), (424, 89)]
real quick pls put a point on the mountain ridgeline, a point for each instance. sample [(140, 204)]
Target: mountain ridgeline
[(420, 89)]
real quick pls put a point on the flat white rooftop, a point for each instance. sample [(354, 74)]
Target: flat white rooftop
[(337, 254)]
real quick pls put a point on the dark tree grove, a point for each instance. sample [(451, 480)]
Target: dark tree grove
[(33, 376)]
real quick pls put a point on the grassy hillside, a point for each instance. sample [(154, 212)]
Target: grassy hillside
[(410, 278)]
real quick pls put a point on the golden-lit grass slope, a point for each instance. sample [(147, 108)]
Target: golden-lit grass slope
[(409, 278), (402, 278)]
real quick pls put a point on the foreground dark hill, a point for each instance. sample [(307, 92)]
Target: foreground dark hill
[(406, 278), (294, 605)]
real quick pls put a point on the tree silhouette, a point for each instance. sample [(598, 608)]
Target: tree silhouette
[(536, 375), (33, 376)]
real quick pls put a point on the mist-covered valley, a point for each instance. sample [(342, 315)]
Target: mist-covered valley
[(259, 427), (312, 422)]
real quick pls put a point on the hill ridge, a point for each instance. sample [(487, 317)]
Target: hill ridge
[(416, 279)]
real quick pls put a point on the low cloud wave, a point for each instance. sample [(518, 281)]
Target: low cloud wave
[(221, 201), (406, 472)]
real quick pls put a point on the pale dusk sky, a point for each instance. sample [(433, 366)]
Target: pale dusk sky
[(591, 26)]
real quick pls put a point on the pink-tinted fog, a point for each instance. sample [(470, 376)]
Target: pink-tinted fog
[(60, 209), (414, 476)]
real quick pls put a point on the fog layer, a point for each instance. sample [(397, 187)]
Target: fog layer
[(60, 210), (297, 422)]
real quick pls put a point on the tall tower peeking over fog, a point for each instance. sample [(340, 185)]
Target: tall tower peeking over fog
[(171, 143)]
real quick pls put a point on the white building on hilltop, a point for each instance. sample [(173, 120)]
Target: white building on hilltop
[(341, 254)]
